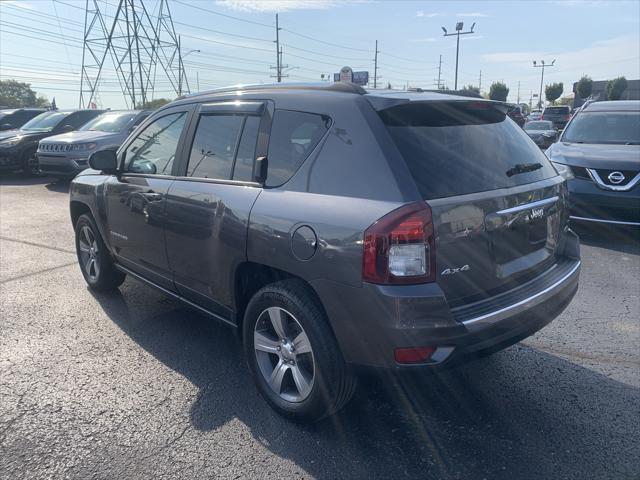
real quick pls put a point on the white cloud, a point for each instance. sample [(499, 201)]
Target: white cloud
[(20, 4), (601, 60), (422, 13), (277, 5), (474, 14), (421, 40)]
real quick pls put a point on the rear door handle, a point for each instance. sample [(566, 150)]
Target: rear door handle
[(153, 196)]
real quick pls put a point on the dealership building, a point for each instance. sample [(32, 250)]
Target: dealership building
[(599, 91)]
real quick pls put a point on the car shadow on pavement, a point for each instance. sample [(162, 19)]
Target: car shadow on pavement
[(18, 179), (58, 185), (618, 238), (520, 413)]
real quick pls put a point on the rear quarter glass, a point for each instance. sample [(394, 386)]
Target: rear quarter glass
[(457, 148)]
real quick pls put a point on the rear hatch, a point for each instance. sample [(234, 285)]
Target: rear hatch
[(556, 114), (497, 203)]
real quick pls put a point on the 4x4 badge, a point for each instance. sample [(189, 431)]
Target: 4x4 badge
[(451, 271)]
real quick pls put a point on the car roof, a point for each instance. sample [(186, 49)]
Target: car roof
[(613, 106), (379, 98)]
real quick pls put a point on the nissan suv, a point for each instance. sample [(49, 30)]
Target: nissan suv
[(599, 156), (336, 229)]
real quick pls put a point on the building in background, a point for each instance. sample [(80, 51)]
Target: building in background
[(598, 92)]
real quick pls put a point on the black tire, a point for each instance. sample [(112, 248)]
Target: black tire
[(333, 384), (102, 274), (29, 164)]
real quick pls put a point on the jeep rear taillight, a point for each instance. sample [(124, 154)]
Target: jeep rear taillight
[(400, 247)]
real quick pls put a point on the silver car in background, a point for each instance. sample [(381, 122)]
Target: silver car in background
[(67, 154)]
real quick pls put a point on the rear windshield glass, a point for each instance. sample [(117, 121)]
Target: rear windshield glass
[(557, 110), (456, 148), (604, 127)]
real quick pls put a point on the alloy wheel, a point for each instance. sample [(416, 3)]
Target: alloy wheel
[(284, 354), (89, 253)]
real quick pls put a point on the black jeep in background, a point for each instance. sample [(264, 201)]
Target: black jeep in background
[(18, 147), (12, 118)]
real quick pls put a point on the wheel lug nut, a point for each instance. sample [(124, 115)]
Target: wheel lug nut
[(278, 348)]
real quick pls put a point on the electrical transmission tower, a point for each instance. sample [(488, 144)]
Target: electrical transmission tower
[(136, 45)]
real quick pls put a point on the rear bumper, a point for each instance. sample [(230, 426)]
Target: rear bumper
[(590, 203), (372, 321)]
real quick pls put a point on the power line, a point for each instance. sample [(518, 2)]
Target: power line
[(223, 14)]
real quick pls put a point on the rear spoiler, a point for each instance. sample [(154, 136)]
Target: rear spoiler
[(383, 102)]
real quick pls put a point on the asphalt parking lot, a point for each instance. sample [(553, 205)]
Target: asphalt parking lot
[(133, 385)]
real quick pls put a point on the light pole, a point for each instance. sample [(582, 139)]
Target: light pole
[(181, 67), (542, 65), (459, 32)]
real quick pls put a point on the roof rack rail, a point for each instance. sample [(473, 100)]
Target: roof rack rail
[(334, 87)]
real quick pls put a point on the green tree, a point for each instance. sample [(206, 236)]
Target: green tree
[(498, 91), (154, 104), (42, 101), (552, 92), (584, 87), (615, 88), (15, 94), (471, 88)]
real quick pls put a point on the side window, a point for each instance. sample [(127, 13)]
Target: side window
[(243, 169), (154, 149), (214, 146), (293, 136)]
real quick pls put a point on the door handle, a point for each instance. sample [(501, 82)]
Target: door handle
[(152, 196)]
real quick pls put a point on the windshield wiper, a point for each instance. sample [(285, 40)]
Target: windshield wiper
[(523, 168)]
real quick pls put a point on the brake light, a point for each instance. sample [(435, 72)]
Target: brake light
[(567, 117), (400, 247), (541, 117)]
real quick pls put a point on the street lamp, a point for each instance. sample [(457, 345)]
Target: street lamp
[(181, 57), (459, 27), (542, 65)]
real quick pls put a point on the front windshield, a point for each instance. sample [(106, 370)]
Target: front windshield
[(538, 126), (604, 127), (45, 122), (112, 122)]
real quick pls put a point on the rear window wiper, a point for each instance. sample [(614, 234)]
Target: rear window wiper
[(523, 168)]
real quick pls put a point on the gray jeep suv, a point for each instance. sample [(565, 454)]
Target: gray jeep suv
[(335, 228)]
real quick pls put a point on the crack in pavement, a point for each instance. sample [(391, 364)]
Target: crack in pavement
[(35, 244), (25, 275)]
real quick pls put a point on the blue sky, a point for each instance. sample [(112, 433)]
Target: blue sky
[(599, 38)]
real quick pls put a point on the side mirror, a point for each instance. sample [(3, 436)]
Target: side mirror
[(6, 126), (105, 160), (260, 170), (68, 128)]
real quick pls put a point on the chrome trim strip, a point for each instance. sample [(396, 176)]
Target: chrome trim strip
[(597, 220), (493, 317), (528, 206), (616, 188)]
